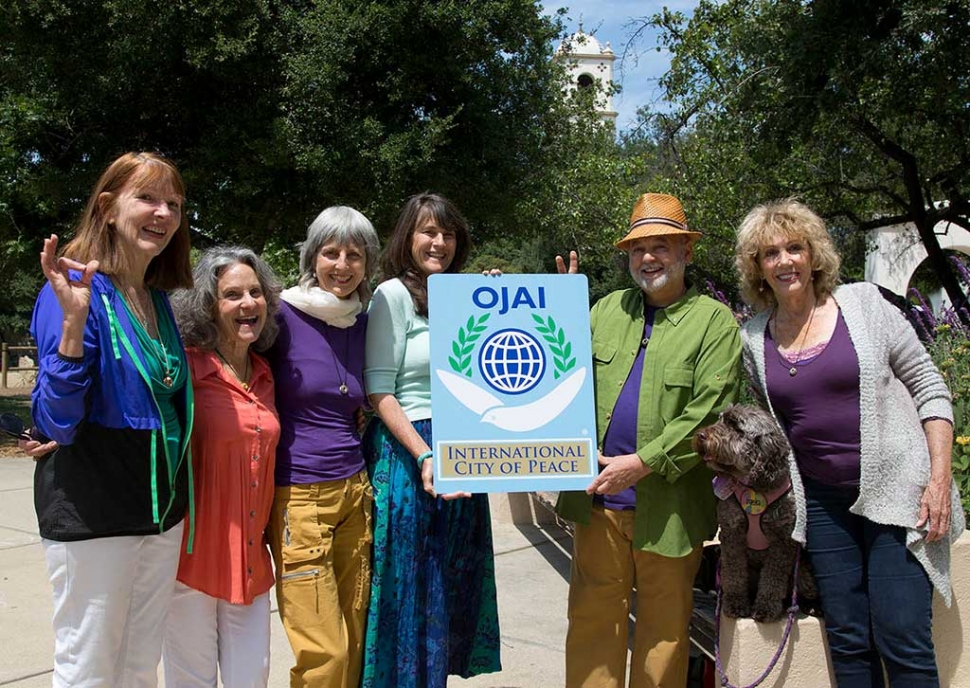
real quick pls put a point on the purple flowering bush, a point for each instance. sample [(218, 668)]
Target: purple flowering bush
[(947, 340)]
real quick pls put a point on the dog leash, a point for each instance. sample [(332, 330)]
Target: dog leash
[(792, 610)]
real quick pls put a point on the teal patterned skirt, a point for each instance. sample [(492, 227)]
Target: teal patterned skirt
[(432, 607)]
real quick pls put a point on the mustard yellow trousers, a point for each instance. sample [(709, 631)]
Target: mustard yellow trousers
[(606, 567), (320, 536)]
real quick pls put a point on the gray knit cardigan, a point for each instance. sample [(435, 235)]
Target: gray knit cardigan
[(899, 387)]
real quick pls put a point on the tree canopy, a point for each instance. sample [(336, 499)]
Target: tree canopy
[(273, 110), (860, 108)]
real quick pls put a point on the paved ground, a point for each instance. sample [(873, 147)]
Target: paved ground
[(532, 565)]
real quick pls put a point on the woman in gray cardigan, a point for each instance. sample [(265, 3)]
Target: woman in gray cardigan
[(869, 420)]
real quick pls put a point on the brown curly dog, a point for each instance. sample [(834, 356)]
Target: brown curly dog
[(756, 512)]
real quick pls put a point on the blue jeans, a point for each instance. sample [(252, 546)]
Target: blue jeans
[(875, 595)]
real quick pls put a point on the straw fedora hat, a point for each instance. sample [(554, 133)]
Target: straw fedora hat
[(657, 214)]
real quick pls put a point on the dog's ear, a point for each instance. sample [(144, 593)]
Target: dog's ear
[(773, 443), (771, 463)]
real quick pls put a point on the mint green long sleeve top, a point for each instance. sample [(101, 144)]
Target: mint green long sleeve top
[(397, 353), (691, 372)]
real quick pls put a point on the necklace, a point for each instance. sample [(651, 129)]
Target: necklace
[(141, 305), (336, 366), (167, 379), (796, 359), (243, 379)]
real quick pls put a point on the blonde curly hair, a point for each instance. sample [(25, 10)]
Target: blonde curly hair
[(790, 219)]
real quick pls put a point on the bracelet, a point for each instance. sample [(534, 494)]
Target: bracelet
[(424, 457)]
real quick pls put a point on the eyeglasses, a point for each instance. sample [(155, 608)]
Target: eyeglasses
[(13, 426)]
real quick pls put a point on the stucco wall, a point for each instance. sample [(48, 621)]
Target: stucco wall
[(747, 647), (896, 251)]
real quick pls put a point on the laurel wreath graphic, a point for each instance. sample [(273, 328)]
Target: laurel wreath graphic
[(463, 346), (562, 350)]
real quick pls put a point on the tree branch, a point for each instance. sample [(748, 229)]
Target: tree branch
[(952, 174), (960, 221), (886, 145), (878, 222)]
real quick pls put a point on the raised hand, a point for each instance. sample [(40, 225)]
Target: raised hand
[(573, 264), (73, 295)]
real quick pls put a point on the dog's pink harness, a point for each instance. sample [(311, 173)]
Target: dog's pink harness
[(754, 504)]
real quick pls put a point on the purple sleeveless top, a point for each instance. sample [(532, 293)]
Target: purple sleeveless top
[(819, 407)]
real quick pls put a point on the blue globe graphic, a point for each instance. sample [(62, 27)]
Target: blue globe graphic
[(511, 361)]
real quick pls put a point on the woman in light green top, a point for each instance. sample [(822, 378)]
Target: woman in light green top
[(433, 609)]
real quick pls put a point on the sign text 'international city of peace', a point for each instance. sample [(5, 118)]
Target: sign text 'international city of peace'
[(511, 384)]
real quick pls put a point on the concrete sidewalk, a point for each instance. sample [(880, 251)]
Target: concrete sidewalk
[(532, 568)]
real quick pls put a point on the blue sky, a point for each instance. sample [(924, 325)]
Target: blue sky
[(637, 68)]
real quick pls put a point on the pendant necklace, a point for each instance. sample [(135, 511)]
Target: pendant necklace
[(796, 356), (243, 380), (167, 380), (336, 366), (146, 315)]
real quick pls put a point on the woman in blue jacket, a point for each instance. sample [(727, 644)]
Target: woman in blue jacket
[(113, 392)]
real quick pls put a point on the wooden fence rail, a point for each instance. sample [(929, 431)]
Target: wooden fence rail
[(5, 368)]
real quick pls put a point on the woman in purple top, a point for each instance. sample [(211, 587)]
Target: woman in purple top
[(871, 428), (320, 528)]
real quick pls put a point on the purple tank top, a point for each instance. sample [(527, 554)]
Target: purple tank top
[(819, 407)]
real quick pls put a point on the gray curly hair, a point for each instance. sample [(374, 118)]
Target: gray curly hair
[(342, 225), (195, 308)]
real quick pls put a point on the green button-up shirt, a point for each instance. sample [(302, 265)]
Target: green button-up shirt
[(691, 371)]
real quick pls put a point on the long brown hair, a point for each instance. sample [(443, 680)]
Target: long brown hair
[(398, 258), (96, 239)]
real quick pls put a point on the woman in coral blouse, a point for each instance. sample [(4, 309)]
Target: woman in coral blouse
[(219, 615)]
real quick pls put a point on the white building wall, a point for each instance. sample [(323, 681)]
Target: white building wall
[(897, 251), (587, 62)]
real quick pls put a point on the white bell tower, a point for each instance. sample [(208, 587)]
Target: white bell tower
[(588, 65)]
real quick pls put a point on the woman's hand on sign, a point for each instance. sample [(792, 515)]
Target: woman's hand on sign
[(427, 478)]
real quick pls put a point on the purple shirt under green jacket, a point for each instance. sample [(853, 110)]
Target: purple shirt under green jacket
[(819, 407), (690, 375), (621, 435), (311, 361)]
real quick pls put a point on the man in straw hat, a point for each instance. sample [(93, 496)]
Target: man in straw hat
[(666, 362)]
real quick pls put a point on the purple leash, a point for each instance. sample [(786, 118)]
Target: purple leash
[(792, 610)]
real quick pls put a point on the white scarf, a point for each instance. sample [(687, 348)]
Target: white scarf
[(323, 305)]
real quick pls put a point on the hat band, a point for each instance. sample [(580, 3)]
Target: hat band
[(658, 221)]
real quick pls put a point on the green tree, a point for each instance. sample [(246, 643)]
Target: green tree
[(860, 108), (273, 110), (583, 197)]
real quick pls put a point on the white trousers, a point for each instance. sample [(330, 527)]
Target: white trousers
[(111, 596), (203, 633)]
